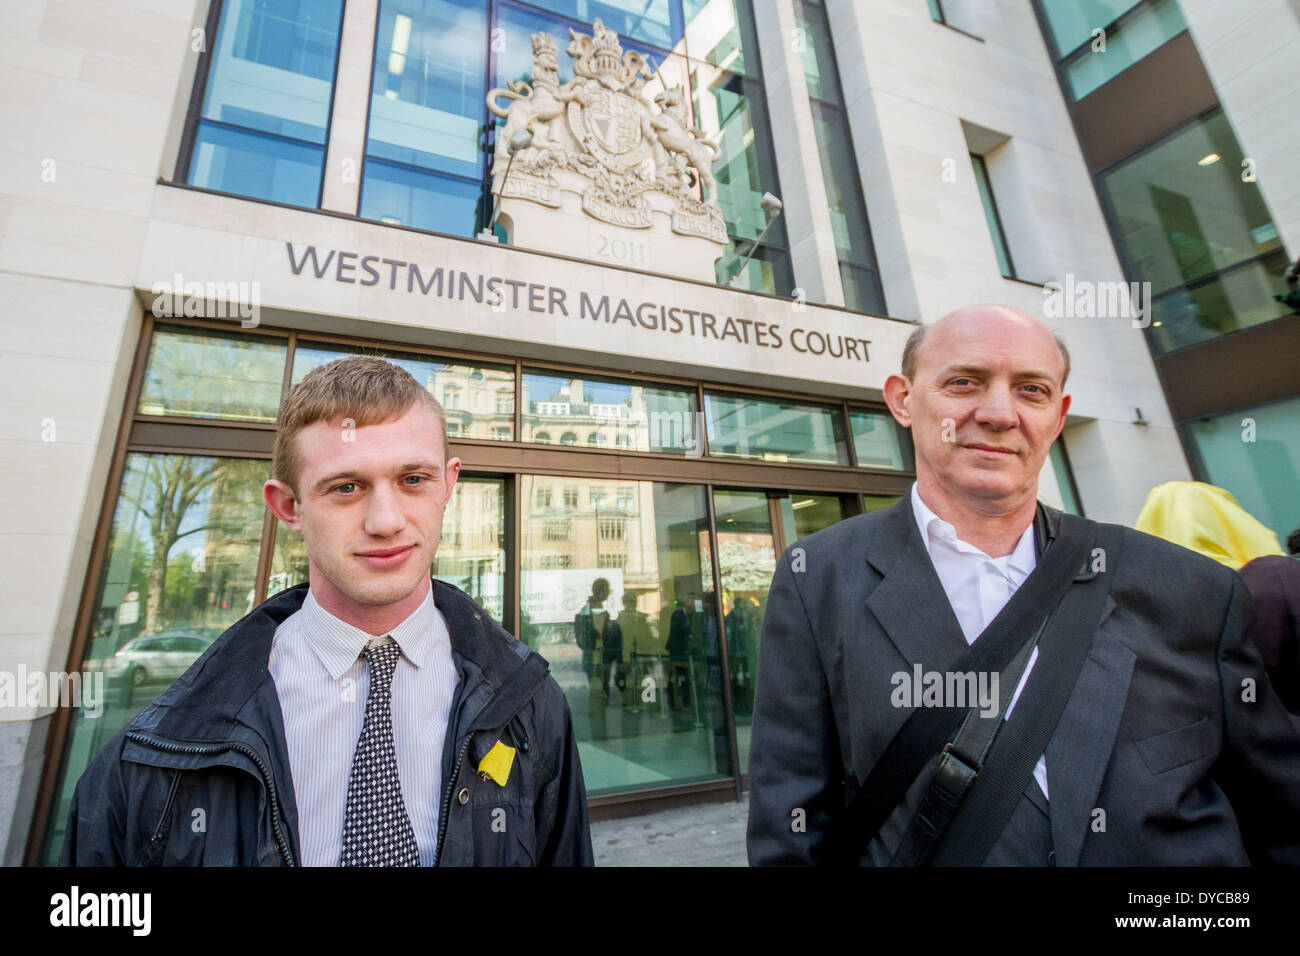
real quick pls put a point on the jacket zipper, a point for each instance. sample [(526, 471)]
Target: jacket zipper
[(167, 808), (445, 814), (247, 751)]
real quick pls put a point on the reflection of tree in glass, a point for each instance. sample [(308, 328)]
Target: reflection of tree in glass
[(172, 485), (745, 569), (199, 377), (183, 582)]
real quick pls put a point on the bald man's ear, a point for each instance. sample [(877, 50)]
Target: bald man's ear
[(897, 390), (1065, 410)]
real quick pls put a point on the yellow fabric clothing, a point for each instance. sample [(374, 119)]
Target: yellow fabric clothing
[(1208, 520)]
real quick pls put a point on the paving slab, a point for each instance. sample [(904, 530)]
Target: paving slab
[(704, 835)]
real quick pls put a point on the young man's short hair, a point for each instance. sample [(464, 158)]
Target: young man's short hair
[(366, 389)]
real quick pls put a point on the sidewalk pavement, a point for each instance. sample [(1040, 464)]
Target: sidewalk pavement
[(707, 835)]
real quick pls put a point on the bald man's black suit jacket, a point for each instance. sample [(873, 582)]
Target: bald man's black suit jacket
[(1155, 735)]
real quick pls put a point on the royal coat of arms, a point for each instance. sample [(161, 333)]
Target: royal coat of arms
[(609, 124), (603, 126)]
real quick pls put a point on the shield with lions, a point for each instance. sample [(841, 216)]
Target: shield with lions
[(610, 127)]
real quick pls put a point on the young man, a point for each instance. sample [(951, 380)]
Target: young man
[(1144, 733), (372, 717)]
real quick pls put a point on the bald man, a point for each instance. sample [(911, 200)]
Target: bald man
[(970, 677)]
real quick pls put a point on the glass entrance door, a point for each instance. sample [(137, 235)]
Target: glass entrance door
[(754, 528), (617, 595), (747, 553)]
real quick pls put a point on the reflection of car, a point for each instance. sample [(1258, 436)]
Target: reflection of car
[(163, 656)]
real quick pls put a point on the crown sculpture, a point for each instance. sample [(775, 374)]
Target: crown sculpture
[(602, 146)]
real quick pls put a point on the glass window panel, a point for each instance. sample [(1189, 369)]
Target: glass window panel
[(1071, 22), (409, 197), (256, 164), (848, 215), (1232, 300), (878, 441), (862, 291), (818, 54), (430, 78), (991, 215), (188, 577), (803, 513), (211, 375), (628, 598), (774, 429), (768, 270), (470, 390), (1262, 474), (514, 56), (1182, 208), (471, 553), (273, 66), (730, 110), (656, 22), (876, 502), (1138, 36), (717, 33), (746, 563), (609, 413)]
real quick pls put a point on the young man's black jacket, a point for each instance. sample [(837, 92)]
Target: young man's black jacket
[(201, 776)]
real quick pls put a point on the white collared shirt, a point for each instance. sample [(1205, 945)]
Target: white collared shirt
[(978, 586), (322, 682)]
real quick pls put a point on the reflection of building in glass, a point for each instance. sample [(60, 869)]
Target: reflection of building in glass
[(565, 411), (478, 402), (470, 553), (591, 526)]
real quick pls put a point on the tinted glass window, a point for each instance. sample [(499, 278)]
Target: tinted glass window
[(744, 426)]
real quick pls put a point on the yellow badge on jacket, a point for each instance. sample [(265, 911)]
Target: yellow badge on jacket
[(497, 763)]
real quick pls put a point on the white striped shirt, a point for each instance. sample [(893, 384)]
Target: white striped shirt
[(322, 681)]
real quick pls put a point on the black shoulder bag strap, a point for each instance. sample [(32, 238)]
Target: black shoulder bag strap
[(992, 799), (929, 728), (960, 764)]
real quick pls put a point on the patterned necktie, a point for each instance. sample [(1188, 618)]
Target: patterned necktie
[(376, 828)]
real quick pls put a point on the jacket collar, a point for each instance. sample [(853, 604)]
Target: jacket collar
[(1047, 523), (924, 630), (206, 702), (230, 686)]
